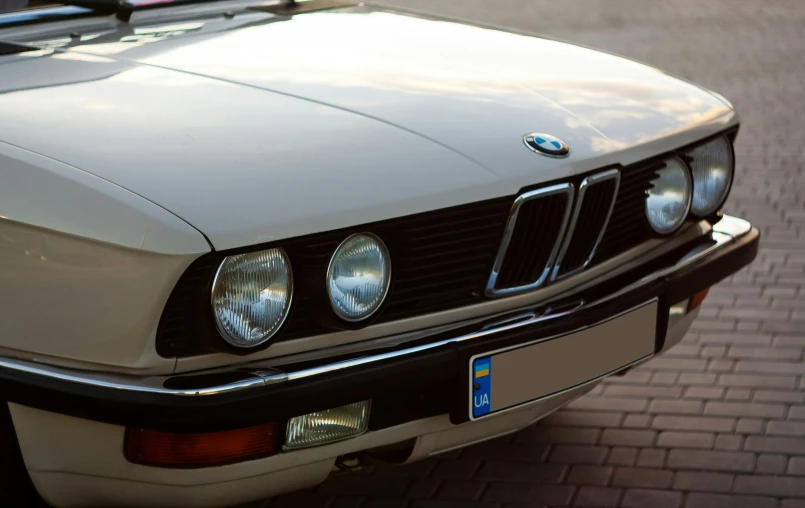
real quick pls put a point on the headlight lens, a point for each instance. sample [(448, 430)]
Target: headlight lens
[(251, 296), (358, 277), (668, 200), (712, 169)]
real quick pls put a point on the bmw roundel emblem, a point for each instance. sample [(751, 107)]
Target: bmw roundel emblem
[(546, 144)]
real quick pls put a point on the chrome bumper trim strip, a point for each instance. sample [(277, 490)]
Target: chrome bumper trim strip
[(724, 232)]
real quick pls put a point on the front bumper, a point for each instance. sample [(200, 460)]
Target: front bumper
[(407, 380)]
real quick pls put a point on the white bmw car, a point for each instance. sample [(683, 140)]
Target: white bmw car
[(247, 244)]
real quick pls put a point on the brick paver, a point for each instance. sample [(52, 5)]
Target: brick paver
[(719, 421)]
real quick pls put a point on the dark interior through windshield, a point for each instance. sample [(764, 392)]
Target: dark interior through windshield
[(16, 5)]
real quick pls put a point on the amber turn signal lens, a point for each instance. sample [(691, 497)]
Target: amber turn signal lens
[(697, 299), (195, 450)]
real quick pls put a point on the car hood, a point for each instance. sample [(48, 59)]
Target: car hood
[(262, 127)]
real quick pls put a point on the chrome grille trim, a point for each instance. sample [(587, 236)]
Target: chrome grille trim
[(583, 187), (563, 188)]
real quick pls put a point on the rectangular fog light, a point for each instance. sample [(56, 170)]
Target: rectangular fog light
[(327, 426)]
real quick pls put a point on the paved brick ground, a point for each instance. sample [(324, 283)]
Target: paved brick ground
[(720, 420)]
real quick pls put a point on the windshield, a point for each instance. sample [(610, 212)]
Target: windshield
[(28, 11), (16, 12), (13, 5), (18, 5)]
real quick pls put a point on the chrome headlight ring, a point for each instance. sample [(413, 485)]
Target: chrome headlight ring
[(251, 296), (668, 200), (713, 169), (358, 277)]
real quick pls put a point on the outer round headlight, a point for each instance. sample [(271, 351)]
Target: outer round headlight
[(358, 277), (669, 198), (712, 169), (251, 296)]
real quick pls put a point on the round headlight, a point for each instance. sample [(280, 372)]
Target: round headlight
[(251, 296), (712, 169), (358, 277), (668, 199)]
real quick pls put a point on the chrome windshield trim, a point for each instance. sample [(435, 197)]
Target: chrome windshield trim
[(562, 188), (723, 234), (586, 184)]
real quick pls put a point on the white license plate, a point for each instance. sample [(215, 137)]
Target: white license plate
[(509, 377)]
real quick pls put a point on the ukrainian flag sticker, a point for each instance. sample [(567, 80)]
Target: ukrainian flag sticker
[(482, 368), (481, 386)]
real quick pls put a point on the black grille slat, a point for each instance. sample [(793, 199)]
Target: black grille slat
[(591, 218), (627, 225), (519, 261)]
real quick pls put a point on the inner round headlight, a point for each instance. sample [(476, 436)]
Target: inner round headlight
[(668, 199), (358, 277), (251, 296), (712, 169)]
